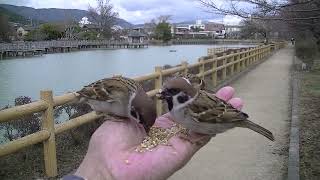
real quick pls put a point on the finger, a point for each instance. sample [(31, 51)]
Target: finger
[(225, 93), (164, 121), (124, 133), (236, 103)]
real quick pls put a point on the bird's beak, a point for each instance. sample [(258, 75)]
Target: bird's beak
[(162, 94)]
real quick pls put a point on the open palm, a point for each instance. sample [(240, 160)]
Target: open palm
[(112, 155)]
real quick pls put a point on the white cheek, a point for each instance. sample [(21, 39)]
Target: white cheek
[(175, 100), (176, 104)]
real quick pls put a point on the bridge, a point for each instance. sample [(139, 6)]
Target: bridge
[(41, 47), (263, 75)]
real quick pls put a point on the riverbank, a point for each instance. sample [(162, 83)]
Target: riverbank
[(39, 48), (203, 41)]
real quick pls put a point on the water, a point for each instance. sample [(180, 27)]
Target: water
[(66, 72)]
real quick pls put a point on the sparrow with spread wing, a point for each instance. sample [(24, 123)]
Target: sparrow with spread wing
[(122, 97), (202, 112)]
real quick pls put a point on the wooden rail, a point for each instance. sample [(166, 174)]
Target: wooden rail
[(229, 65)]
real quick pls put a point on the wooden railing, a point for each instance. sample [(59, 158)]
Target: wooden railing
[(234, 62)]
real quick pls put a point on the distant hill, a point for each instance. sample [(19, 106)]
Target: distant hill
[(51, 14), (13, 17)]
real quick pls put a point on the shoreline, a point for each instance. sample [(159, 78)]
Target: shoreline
[(54, 50)]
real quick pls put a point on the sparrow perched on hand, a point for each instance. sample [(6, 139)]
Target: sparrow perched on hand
[(204, 113), (120, 96)]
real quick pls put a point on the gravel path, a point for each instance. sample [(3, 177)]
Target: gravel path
[(242, 154)]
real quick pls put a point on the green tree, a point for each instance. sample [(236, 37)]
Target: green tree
[(5, 29), (35, 35), (163, 31), (51, 31), (87, 35)]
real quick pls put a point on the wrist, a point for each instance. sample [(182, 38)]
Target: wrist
[(92, 169)]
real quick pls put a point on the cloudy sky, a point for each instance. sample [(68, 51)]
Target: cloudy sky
[(136, 11)]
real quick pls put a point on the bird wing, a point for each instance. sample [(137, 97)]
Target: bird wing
[(98, 90), (208, 108), (108, 88)]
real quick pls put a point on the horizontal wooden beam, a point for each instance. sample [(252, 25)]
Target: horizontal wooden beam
[(21, 111), (172, 70), (76, 122), (64, 99), (23, 142), (151, 76)]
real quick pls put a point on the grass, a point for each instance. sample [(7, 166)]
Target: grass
[(310, 125), (311, 82)]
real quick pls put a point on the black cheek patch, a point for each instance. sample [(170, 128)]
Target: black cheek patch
[(170, 103), (183, 99), (134, 114)]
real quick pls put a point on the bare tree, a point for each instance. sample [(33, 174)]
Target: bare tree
[(164, 18), (262, 9), (303, 15), (103, 16)]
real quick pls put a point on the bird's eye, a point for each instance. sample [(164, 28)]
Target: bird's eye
[(173, 91)]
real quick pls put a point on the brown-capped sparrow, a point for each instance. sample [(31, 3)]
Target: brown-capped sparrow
[(202, 112), (122, 97)]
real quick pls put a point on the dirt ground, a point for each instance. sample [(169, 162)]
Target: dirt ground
[(310, 125)]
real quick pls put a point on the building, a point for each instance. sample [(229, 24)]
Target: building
[(199, 30), (217, 30), (136, 37), (23, 30), (84, 21), (233, 31)]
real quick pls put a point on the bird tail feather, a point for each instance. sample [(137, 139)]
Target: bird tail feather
[(257, 128)]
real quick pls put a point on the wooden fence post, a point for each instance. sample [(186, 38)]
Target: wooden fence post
[(49, 146), (233, 58), (245, 62), (158, 84), (256, 54), (224, 70), (252, 55), (185, 67), (241, 60), (214, 73), (201, 67), (250, 58), (238, 63)]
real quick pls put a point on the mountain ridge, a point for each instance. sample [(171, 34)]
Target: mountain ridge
[(55, 14)]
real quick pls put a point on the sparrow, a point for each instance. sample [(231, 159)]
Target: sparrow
[(202, 112), (122, 97), (194, 80)]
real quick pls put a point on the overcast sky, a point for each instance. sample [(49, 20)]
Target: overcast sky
[(136, 11)]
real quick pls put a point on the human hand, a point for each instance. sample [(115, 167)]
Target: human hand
[(111, 153)]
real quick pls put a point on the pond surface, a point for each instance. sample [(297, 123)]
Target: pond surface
[(66, 72)]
